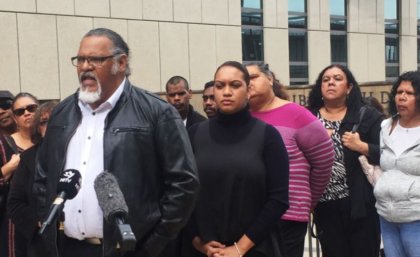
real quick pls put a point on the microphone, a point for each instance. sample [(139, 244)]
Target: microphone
[(68, 186), (115, 209)]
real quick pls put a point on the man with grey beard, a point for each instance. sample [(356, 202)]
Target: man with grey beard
[(109, 124)]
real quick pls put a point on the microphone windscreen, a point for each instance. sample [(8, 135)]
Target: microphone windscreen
[(69, 182), (110, 198)]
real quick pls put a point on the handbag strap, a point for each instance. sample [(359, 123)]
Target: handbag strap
[(11, 143)]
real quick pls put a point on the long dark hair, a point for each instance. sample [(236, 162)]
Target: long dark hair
[(45, 108), (414, 78), (354, 98)]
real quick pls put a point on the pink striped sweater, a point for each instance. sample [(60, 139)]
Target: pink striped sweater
[(311, 156)]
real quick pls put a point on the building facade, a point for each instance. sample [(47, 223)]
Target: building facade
[(376, 39)]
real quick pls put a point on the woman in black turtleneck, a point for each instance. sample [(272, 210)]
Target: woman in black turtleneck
[(244, 171)]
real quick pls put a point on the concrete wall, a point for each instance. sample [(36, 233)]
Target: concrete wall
[(167, 37), (183, 37)]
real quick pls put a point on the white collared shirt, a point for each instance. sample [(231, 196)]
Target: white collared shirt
[(85, 153)]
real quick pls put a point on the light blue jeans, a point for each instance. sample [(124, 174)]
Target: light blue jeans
[(401, 239)]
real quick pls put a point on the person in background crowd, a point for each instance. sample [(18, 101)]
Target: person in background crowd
[(397, 190), (243, 168), (23, 108), (374, 102), (346, 219), (310, 157), (109, 124), (7, 123), (209, 105), (178, 94), (21, 205)]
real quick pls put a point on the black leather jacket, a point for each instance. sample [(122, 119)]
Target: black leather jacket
[(146, 147)]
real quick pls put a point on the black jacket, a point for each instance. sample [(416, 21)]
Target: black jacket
[(361, 192), (193, 117), (146, 147)]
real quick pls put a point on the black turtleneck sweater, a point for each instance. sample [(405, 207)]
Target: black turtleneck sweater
[(244, 172)]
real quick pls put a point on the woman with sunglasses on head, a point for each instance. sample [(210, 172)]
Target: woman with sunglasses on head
[(310, 157), (244, 168), (21, 204), (23, 108), (346, 220)]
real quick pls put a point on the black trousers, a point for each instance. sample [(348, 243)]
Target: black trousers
[(76, 248), (342, 236), (292, 237)]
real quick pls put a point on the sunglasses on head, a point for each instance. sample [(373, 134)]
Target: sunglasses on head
[(6, 104), (30, 108)]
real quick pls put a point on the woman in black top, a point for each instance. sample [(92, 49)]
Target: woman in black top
[(244, 169), (21, 204), (346, 218)]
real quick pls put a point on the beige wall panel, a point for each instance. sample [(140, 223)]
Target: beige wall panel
[(56, 7), (282, 14), (202, 41), (18, 5), (270, 13), (70, 31), (187, 11), (92, 8), (358, 61), (234, 12), (353, 16), (215, 11), (127, 9), (117, 25), (161, 10), (376, 58), (367, 16), (380, 16), (408, 60), (276, 54), (228, 44), (319, 52), (9, 71), (408, 18), (173, 51), (38, 55), (366, 56), (318, 15), (143, 40)]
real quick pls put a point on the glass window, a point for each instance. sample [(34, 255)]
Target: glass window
[(339, 48), (256, 4), (298, 43), (338, 27), (391, 10), (297, 6), (298, 50), (392, 39), (252, 44), (252, 17), (338, 7), (252, 30)]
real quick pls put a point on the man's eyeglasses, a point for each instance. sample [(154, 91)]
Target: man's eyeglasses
[(6, 105), (96, 61), (30, 108)]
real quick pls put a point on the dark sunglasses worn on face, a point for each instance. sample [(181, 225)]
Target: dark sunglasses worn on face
[(6, 104), (30, 108)]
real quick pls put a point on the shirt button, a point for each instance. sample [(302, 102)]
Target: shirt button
[(79, 211), (84, 163), (89, 138), (83, 233), (93, 113)]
